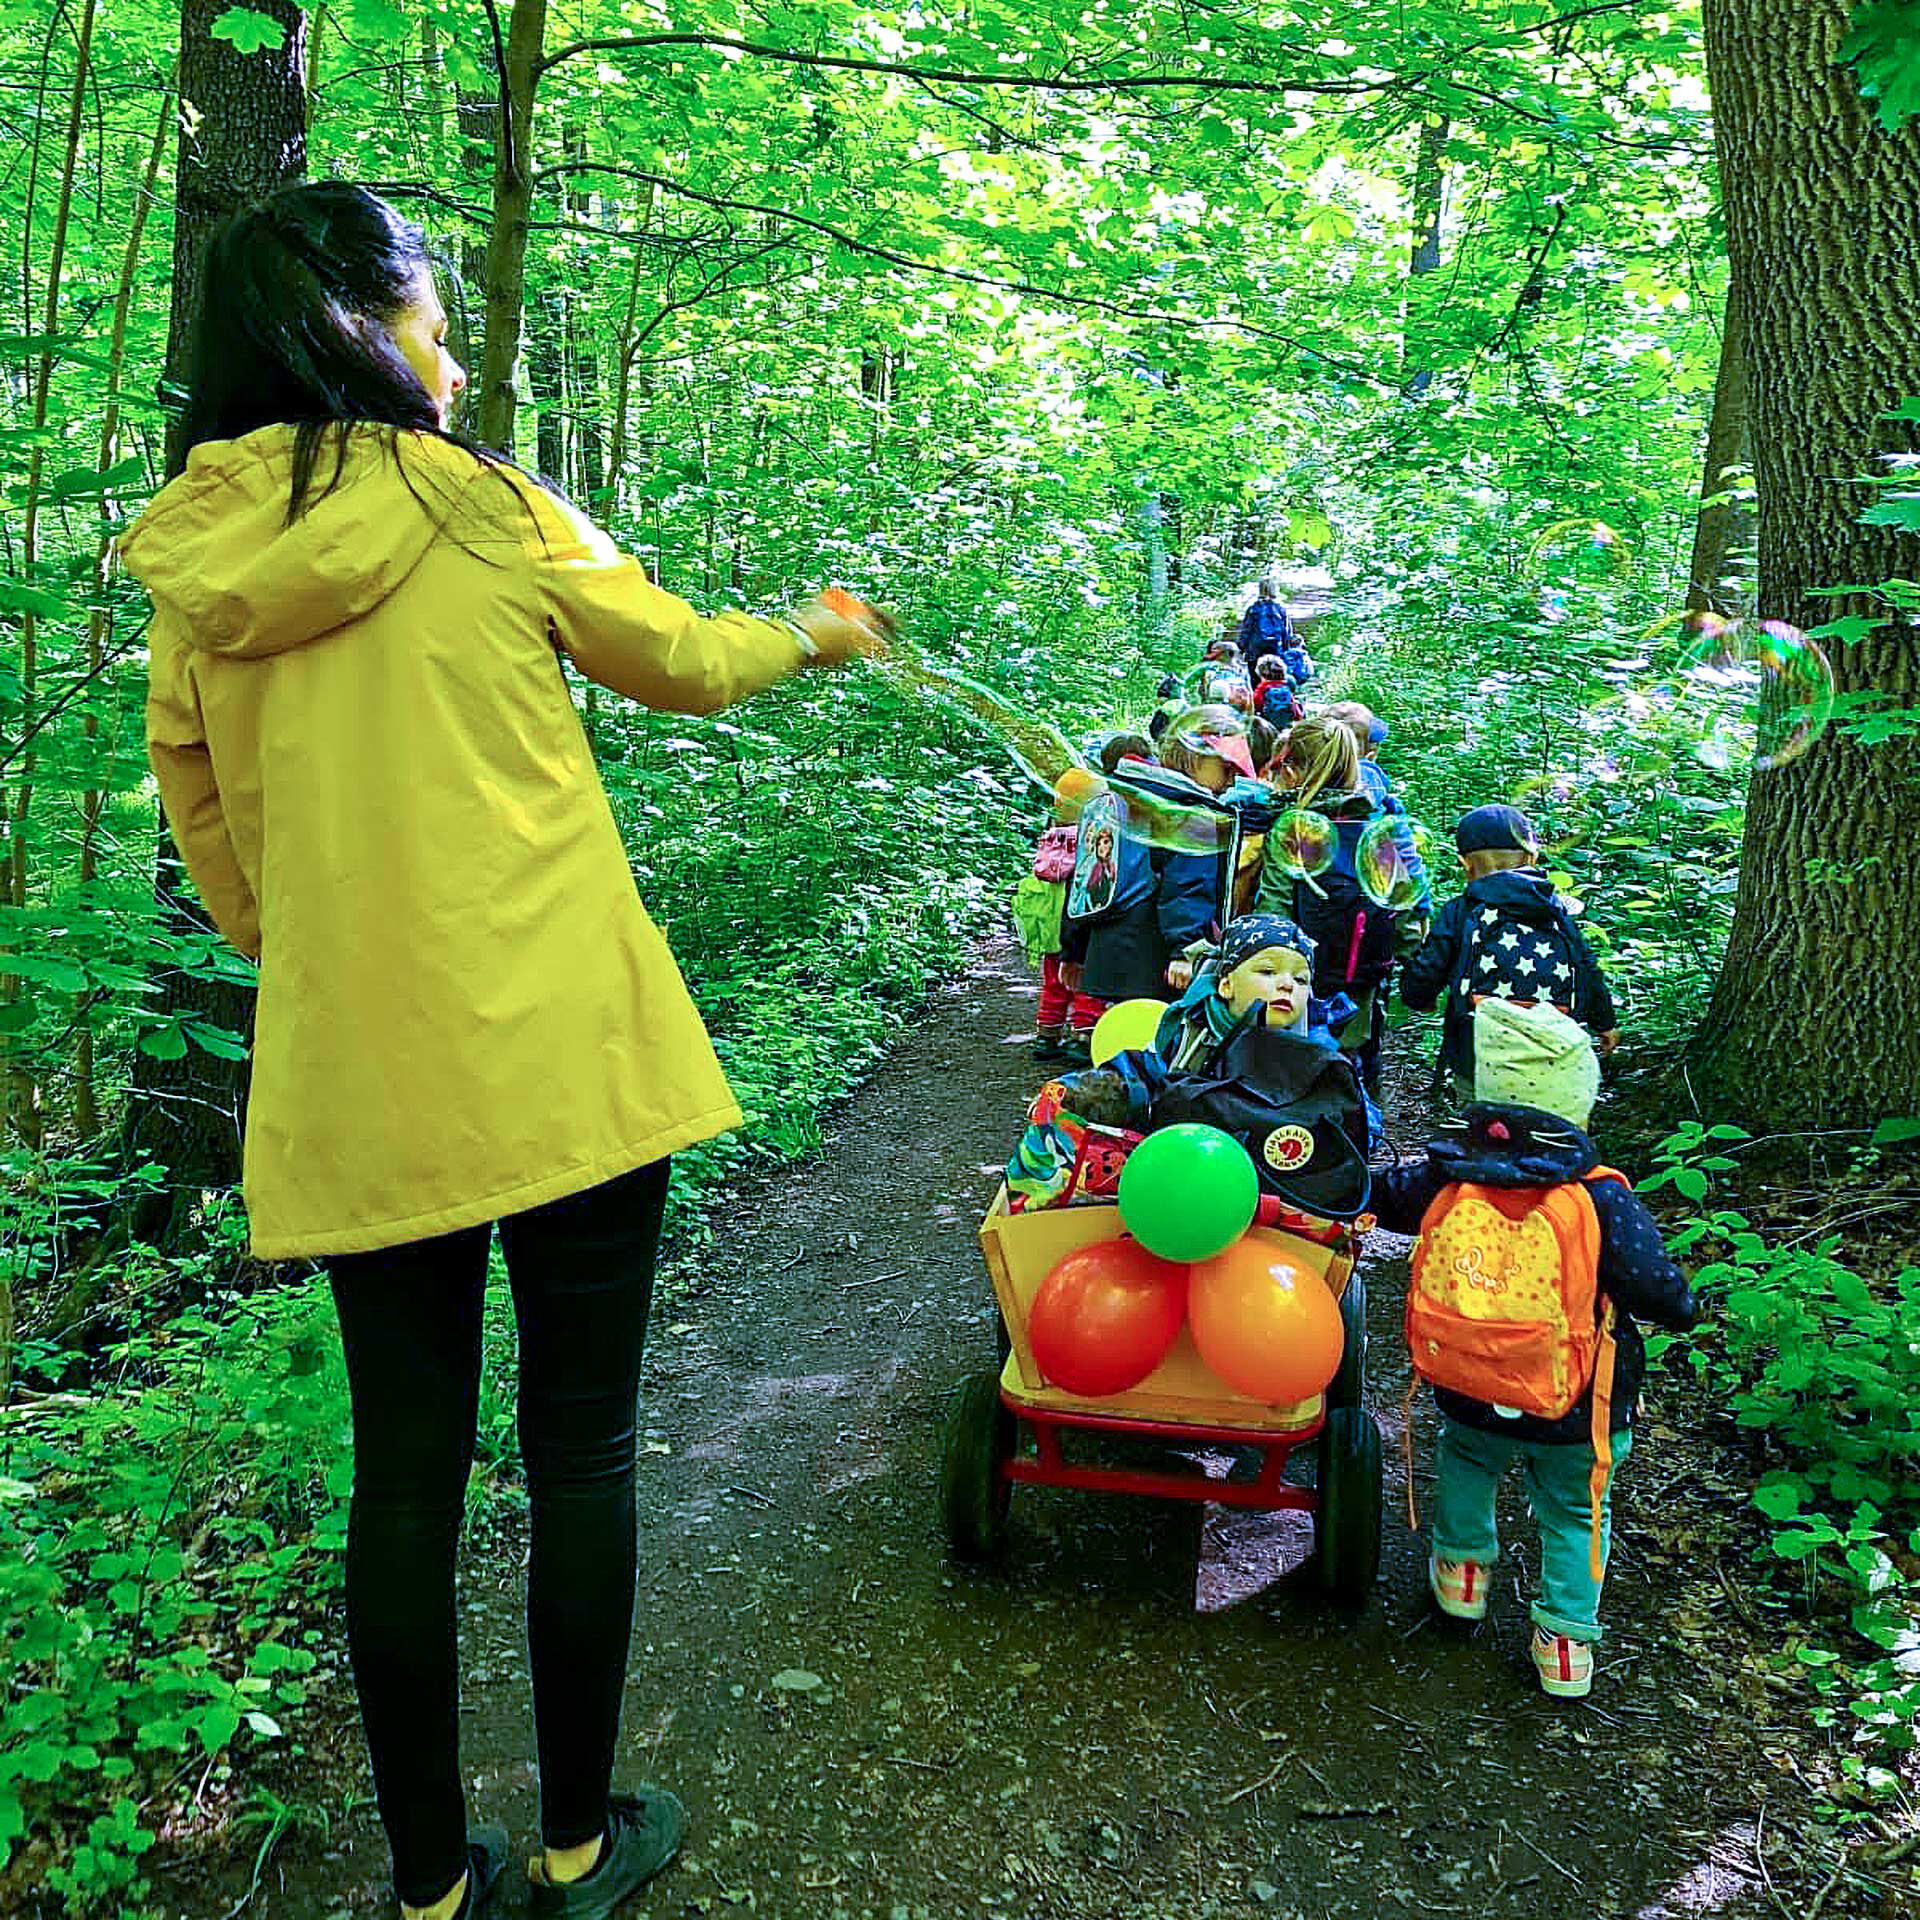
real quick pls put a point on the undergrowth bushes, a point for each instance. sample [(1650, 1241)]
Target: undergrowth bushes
[(1822, 1364)]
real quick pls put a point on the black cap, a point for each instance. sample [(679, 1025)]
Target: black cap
[(1495, 829)]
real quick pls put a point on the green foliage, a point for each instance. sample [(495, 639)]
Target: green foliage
[(160, 1548), (1825, 1363), (1883, 47)]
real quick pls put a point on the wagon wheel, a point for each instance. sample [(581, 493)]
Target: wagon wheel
[(1348, 1387), (1348, 1532), (974, 1492)]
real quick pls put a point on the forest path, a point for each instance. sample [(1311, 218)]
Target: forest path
[(1148, 1714)]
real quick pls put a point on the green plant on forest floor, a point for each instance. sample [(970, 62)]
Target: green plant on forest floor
[(1825, 1366)]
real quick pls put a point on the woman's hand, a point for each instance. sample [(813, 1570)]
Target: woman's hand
[(843, 628), (1071, 974), (1180, 975)]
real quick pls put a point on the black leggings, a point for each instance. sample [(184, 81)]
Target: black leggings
[(582, 1275)]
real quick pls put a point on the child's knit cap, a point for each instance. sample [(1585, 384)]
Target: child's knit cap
[(1495, 829), (1533, 1056), (1254, 933)]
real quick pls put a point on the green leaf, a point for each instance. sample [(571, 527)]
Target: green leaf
[(1891, 1132), (249, 32), (1778, 1499), (1894, 510), (797, 1680)]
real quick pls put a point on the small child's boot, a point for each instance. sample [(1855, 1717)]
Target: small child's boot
[(1049, 1045), (1459, 1587), (1076, 1050), (1565, 1665)]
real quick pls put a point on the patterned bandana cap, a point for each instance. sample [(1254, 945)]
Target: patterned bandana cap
[(1254, 933), (1495, 830), (1533, 1057)]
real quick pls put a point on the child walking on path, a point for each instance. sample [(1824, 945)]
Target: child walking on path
[(1508, 937), (1532, 1262)]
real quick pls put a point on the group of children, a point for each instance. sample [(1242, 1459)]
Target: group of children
[(1157, 881)]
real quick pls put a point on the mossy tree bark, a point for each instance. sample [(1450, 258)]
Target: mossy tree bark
[(1816, 1018)]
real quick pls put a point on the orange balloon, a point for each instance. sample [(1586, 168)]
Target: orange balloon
[(1268, 1328), (1104, 1318)]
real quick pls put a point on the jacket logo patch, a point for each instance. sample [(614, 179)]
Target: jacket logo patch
[(1288, 1148)]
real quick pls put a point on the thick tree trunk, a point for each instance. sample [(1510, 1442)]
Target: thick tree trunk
[(1816, 1019), (248, 136), (1725, 526), (1429, 203), (506, 265)]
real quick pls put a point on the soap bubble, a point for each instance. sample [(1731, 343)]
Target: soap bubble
[(1218, 730), (1040, 751), (1302, 842), (1392, 862), (1587, 548), (1744, 695), (1560, 806)]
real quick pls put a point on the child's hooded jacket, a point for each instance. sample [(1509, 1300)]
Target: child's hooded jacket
[(1494, 1146), (1524, 897), (374, 769)]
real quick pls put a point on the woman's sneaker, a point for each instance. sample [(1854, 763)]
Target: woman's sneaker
[(1459, 1587), (1565, 1666), (644, 1832)]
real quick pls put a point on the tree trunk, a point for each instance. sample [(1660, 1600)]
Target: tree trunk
[(506, 265), (248, 136), (1429, 203), (1816, 1018), (546, 336), (1725, 526)]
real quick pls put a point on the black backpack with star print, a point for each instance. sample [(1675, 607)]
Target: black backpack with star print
[(1520, 950)]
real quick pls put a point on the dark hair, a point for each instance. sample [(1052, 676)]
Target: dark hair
[(1159, 723), (1121, 746), (287, 289)]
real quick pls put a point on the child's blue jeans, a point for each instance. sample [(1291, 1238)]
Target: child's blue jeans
[(1468, 1464)]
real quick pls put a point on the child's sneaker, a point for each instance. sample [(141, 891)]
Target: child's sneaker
[(1459, 1587), (1565, 1666), (1049, 1047)]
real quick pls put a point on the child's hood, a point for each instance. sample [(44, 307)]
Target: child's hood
[(1519, 893), (215, 550), (1499, 1146)]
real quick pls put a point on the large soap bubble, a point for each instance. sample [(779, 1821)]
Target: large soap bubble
[(1392, 861), (1745, 696), (1584, 549), (1302, 843)]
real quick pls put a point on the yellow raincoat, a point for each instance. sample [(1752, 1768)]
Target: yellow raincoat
[(375, 772)]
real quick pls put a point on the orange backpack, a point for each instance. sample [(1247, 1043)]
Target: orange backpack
[(1504, 1307)]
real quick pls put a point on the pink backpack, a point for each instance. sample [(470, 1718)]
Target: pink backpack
[(1053, 857)]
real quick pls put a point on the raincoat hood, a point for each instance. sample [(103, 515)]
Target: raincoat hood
[(214, 548), (1520, 893)]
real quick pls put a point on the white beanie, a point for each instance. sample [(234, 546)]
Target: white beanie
[(1534, 1056)]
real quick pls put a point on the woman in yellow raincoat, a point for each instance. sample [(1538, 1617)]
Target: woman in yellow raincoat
[(372, 764)]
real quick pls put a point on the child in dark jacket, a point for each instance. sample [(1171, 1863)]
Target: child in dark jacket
[(1140, 904), (1536, 1081), (1507, 937), (1274, 699)]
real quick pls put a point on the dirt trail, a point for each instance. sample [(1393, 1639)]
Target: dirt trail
[(1147, 1714)]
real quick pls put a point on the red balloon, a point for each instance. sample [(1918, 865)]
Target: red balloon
[(1104, 1318), (1269, 1328)]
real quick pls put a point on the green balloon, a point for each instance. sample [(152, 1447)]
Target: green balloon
[(1188, 1192)]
